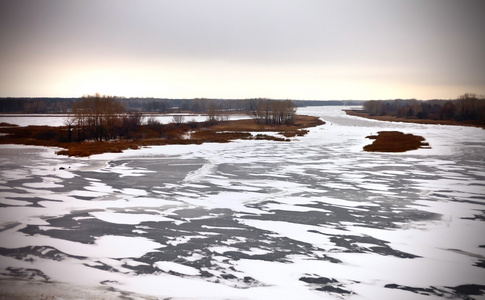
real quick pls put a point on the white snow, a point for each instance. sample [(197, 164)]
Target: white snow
[(128, 218), (254, 183), (104, 246), (167, 266)]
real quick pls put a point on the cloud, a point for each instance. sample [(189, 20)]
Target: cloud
[(366, 43)]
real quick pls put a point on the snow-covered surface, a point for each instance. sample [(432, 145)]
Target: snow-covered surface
[(314, 218), (34, 119)]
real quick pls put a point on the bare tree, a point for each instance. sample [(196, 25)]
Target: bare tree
[(130, 123), (289, 112), (97, 117), (212, 114), (69, 122), (373, 107), (178, 119), (274, 112), (447, 111), (467, 104)]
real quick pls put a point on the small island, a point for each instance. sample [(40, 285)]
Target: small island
[(395, 141)]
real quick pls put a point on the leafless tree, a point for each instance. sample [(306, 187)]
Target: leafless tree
[(178, 119), (97, 117), (373, 107), (212, 114), (274, 112), (467, 104), (130, 122), (69, 122)]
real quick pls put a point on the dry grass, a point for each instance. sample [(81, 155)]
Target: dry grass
[(395, 141), (251, 125), (219, 137), (169, 134), (5, 124), (90, 148)]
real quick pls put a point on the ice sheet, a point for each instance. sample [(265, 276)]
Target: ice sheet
[(314, 218)]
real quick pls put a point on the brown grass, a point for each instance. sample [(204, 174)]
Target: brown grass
[(395, 141), (363, 114), (251, 125), (169, 134), (5, 124)]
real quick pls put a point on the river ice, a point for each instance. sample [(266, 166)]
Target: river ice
[(314, 218)]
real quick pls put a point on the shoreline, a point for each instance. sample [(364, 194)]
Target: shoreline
[(365, 115)]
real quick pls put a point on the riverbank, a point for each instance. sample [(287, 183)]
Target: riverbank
[(363, 114)]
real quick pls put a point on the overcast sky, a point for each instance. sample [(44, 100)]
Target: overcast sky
[(300, 49)]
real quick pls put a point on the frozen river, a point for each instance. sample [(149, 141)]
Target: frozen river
[(314, 218), (59, 119)]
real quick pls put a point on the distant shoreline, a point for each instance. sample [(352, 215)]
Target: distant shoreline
[(363, 114)]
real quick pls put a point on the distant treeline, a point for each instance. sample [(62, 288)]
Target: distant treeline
[(155, 105), (36, 105), (467, 107)]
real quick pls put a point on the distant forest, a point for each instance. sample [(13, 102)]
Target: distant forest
[(150, 105), (467, 107)]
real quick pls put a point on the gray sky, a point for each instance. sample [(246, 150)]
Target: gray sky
[(305, 49)]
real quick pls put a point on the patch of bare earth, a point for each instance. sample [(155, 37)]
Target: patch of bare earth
[(395, 141)]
